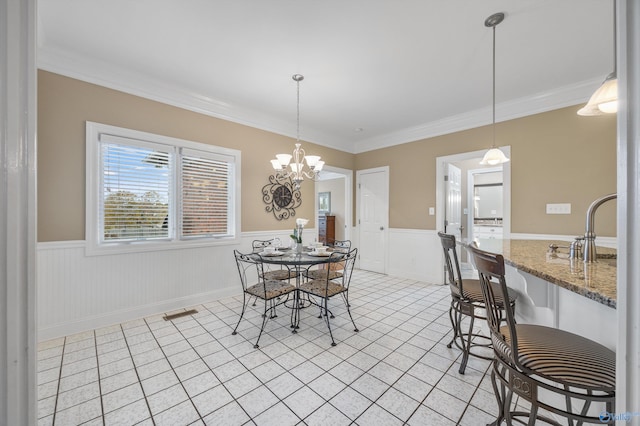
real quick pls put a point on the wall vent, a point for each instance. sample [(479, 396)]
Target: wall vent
[(179, 314)]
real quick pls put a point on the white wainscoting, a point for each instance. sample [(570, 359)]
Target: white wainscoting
[(78, 292), (415, 254)]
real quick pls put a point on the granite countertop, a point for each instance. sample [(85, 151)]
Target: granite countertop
[(596, 281)]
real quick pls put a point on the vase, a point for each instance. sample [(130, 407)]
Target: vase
[(298, 248)]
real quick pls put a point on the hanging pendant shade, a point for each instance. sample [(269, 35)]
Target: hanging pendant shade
[(494, 156), (605, 99)]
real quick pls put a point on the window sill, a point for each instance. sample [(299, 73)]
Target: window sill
[(152, 246)]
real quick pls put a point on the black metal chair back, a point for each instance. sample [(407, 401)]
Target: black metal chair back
[(250, 268), (490, 268), (260, 244), (454, 276), (344, 245), (348, 263)]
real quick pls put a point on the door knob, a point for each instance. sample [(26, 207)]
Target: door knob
[(382, 228)]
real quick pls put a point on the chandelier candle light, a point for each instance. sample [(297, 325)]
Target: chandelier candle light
[(494, 155), (282, 161)]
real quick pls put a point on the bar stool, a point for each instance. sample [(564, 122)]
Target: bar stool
[(466, 299), (534, 360)]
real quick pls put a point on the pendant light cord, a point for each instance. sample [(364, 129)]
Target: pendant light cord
[(493, 145), (615, 41)]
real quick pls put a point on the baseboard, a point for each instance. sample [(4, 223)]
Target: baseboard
[(116, 317)]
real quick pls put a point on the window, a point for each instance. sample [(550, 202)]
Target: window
[(150, 192)]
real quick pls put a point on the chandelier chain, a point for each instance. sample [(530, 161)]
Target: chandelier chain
[(298, 111)]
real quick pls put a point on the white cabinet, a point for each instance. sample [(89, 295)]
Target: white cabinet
[(487, 232)]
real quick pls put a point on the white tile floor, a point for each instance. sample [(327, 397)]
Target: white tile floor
[(397, 370)]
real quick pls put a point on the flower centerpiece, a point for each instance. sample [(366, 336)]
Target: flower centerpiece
[(297, 232)]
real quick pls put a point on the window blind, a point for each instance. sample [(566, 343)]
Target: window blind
[(205, 198), (136, 190)]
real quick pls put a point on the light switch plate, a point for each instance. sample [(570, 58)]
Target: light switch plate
[(432, 211), (559, 208)]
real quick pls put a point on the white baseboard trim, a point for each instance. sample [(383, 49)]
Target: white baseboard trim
[(116, 317), (52, 245)]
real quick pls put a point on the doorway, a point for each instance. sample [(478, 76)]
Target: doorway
[(485, 203), (373, 218), (467, 161), (338, 183)]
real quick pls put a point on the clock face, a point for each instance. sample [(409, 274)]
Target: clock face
[(282, 196)]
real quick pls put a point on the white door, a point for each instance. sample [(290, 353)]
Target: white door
[(453, 205), (373, 218)]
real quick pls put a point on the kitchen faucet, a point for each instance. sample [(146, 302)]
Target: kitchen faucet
[(589, 235)]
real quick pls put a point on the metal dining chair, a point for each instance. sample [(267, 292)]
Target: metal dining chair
[(250, 268), (325, 288), (273, 274), (333, 270), (550, 368), (466, 302)]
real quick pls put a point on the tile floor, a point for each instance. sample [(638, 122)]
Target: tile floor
[(397, 370)]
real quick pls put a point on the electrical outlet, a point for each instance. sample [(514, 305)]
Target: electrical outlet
[(559, 208)]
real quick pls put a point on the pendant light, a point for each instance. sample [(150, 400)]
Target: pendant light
[(494, 156), (605, 99)]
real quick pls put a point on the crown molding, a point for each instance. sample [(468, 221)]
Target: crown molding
[(104, 74), (540, 102)]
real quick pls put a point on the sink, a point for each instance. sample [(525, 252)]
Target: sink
[(611, 261)]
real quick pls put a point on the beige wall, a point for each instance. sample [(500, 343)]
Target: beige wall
[(557, 157), (65, 104)]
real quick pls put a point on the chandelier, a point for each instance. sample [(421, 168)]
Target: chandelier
[(282, 161), (494, 156)]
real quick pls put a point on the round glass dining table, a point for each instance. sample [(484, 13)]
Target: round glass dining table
[(297, 261)]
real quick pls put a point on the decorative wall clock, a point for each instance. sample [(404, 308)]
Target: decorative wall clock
[(281, 197)]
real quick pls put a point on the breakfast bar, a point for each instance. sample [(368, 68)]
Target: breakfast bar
[(560, 292)]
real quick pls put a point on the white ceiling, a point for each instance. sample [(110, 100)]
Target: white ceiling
[(401, 70)]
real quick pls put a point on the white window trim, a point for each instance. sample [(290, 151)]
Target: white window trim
[(93, 182)]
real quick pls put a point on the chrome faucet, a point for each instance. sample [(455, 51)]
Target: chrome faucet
[(575, 248), (589, 235)]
